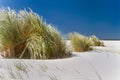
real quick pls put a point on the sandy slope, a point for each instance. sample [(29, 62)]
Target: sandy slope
[(110, 46), (94, 65)]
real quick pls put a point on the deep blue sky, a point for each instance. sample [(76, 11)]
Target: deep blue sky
[(99, 17)]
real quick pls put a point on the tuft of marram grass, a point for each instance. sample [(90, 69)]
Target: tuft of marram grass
[(79, 42), (82, 43), (24, 34), (95, 41)]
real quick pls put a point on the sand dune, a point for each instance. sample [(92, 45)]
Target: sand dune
[(99, 64)]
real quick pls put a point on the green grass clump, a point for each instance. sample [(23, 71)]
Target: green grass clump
[(24, 34), (96, 41), (82, 43), (79, 42)]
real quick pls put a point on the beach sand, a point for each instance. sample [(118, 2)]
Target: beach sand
[(103, 63)]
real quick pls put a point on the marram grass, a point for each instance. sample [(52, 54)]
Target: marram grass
[(24, 34), (96, 41), (82, 43), (79, 42)]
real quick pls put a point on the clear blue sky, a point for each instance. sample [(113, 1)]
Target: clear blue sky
[(99, 17)]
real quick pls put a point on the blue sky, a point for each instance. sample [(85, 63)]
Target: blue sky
[(88, 17)]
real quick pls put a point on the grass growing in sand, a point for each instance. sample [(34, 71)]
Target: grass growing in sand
[(96, 41), (24, 34), (79, 42), (82, 43)]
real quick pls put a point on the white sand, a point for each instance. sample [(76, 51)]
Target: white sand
[(99, 64), (110, 46)]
